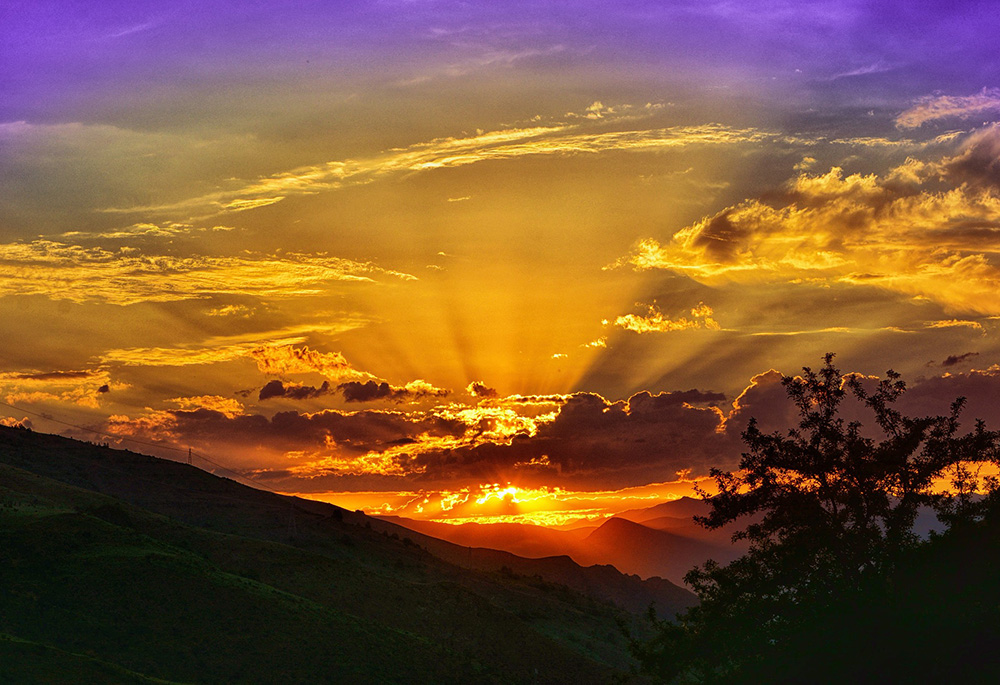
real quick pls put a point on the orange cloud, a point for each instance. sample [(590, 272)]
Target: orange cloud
[(228, 407), (82, 388)]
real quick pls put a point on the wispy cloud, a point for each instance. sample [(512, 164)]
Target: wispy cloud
[(141, 230), (135, 28), (491, 57), (504, 144), (63, 271), (953, 359), (877, 67), (955, 323), (934, 107), (273, 351)]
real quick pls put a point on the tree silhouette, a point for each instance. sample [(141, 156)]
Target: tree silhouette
[(832, 507)]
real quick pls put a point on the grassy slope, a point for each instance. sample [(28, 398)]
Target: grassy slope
[(23, 661), (104, 581), (88, 587)]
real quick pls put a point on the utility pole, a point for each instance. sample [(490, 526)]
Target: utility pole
[(189, 455)]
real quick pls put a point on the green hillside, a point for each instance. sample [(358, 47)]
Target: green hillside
[(124, 568)]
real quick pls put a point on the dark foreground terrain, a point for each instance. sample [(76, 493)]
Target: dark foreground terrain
[(117, 567)]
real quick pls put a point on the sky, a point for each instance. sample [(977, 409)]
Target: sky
[(515, 259)]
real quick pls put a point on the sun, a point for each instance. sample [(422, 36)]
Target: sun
[(510, 493)]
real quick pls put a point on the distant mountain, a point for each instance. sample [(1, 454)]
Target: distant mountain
[(523, 539), (650, 552), (660, 541), (682, 508), (527, 540), (132, 568)]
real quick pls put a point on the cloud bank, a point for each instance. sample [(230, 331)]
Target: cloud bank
[(926, 229)]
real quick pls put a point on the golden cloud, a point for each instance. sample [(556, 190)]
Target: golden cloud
[(956, 323), (78, 397), (655, 322), (82, 388), (76, 273), (480, 389), (509, 503), (277, 360), (226, 406), (227, 348), (384, 463), (144, 230), (488, 422), (901, 232)]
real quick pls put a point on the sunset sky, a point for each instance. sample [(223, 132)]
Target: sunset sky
[(405, 255)]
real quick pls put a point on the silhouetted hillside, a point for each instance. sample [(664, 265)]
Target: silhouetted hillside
[(144, 568)]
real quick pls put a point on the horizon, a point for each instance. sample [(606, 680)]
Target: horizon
[(531, 262)]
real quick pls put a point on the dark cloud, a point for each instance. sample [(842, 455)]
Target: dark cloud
[(644, 402), (764, 400), (104, 388), (272, 389), (352, 432), (933, 396), (367, 392), (480, 389), (370, 391), (536, 399), (721, 238), (293, 391), (592, 443), (595, 443), (953, 359), (52, 375), (979, 162)]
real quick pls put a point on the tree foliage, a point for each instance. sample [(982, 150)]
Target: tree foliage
[(831, 507)]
